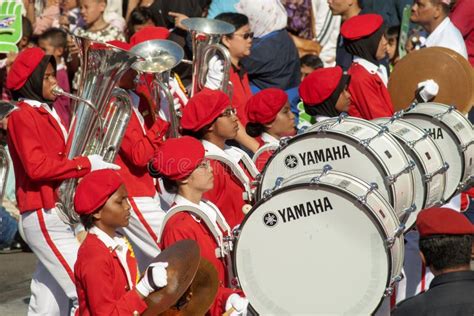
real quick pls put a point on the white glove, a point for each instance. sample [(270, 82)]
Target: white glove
[(238, 303), (154, 279), (215, 73), (428, 89), (98, 163)]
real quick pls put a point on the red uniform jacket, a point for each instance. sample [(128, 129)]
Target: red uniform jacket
[(369, 96), (183, 226), (241, 92), (227, 193), (101, 282), (38, 152), (263, 158), (136, 150)]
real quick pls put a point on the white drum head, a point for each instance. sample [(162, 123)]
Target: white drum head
[(312, 250)]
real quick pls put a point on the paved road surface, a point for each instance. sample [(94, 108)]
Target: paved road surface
[(15, 276)]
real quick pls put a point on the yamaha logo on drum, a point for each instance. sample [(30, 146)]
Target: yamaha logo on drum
[(291, 161), (270, 219), (310, 208)]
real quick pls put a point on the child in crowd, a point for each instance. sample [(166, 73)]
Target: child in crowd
[(309, 63), (392, 36), (139, 18), (54, 41), (71, 18)]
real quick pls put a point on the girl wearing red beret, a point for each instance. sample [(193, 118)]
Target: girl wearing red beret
[(106, 271), (270, 119), (364, 38), (37, 144), (209, 117), (189, 175), (324, 93)]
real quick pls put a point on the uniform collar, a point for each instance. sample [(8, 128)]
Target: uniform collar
[(228, 151), (208, 210), (269, 139), (452, 277), (111, 243), (373, 68)]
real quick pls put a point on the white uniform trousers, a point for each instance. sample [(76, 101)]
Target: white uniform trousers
[(53, 291), (143, 228)]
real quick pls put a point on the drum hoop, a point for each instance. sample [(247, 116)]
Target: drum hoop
[(461, 154), (374, 154), (379, 226)]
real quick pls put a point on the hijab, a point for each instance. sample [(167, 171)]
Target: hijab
[(366, 47), (33, 87), (328, 106)]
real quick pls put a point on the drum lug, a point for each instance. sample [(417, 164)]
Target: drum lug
[(429, 176), (317, 179), (412, 144), (397, 233), (362, 199), (391, 179), (463, 186), (393, 281), (283, 142), (410, 209), (325, 127), (366, 142), (269, 192), (466, 146), (396, 116), (439, 116)]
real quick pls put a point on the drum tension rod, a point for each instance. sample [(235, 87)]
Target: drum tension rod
[(269, 192), (466, 146), (439, 116), (362, 199), (429, 176), (366, 142), (412, 143), (391, 179), (317, 179)]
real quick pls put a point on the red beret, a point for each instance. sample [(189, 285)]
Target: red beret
[(95, 189), (120, 44), (23, 66), (319, 85), (149, 33), (264, 106), (443, 221), (203, 108), (361, 26), (177, 158)]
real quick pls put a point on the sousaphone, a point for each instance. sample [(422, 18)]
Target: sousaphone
[(450, 70)]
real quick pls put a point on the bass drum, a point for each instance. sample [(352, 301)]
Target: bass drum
[(430, 170), (330, 245), (453, 134), (351, 145)]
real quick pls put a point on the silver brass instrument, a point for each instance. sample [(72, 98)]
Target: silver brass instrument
[(206, 35), (102, 111), (5, 109), (160, 56)]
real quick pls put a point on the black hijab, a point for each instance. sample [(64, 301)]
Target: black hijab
[(33, 87), (328, 106), (366, 47)]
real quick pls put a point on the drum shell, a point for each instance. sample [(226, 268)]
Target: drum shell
[(424, 151), (383, 157), (248, 272), (453, 134)]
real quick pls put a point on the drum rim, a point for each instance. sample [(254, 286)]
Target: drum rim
[(259, 193), (464, 175), (379, 226)]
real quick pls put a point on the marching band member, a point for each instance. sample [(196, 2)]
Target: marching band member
[(106, 271), (208, 116), (37, 144), (142, 136), (324, 93), (238, 44), (364, 38), (189, 174), (270, 119)]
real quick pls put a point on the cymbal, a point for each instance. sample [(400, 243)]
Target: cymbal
[(183, 260), (451, 71), (203, 289)]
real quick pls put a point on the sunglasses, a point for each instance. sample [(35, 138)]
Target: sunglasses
[(245, 36)]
